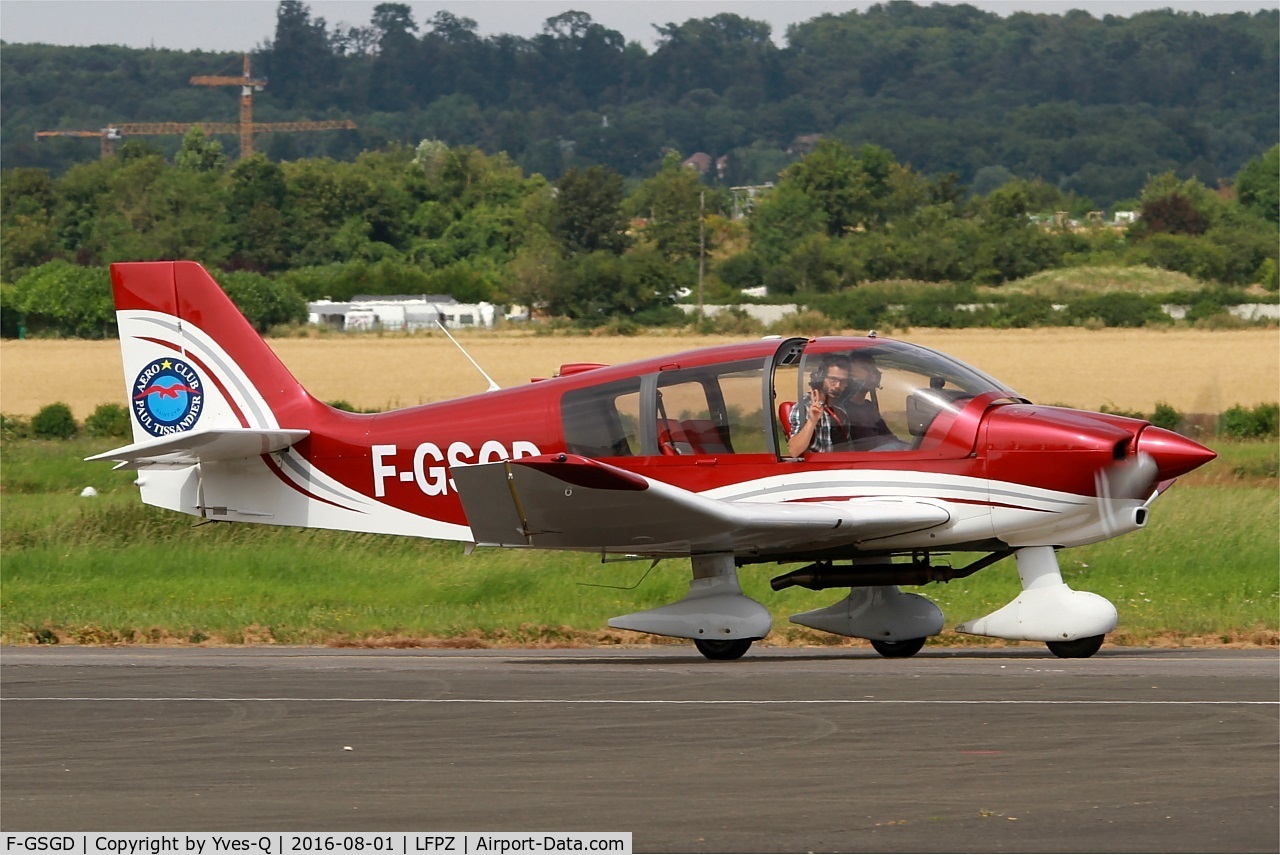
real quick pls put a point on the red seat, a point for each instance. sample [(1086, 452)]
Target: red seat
[(705, 437), (672, 439), (784, 417)]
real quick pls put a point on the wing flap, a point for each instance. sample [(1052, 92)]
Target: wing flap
[(569, 502), (180, 450)]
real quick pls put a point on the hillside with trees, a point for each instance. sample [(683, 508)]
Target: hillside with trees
[(946, 152), (436, 219), (1091, 106)]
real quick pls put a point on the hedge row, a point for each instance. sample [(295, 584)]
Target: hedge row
[(63, 300), (956, 307)]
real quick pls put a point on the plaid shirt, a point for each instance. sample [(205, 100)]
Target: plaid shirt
[(840, 427), (832, 428)]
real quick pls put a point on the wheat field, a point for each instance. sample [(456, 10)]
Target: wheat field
[(1195, 371)]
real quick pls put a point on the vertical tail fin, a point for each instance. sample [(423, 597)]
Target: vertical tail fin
[(223, 431), (191, 359)]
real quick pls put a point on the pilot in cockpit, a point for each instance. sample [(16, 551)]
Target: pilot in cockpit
[(842, 413)]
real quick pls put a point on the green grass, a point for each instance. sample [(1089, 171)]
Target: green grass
[(109, 569)]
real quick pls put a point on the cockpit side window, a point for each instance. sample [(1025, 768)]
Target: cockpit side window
[(602, 421)]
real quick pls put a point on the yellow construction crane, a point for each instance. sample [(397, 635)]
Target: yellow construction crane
[(114, 133), (247, 84), (246, 128), (106, 137)]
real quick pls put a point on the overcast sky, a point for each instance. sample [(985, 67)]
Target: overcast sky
[(241, 25)]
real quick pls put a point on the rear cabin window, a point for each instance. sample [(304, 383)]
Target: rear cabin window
[(715, 409), (602, 421)]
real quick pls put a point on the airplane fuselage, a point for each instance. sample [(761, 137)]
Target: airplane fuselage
[(1007, 472)]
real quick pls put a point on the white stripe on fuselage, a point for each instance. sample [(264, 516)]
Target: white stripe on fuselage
[(979, 508), (836, 483)]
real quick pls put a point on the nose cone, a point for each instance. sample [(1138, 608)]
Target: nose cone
[(1173, 453)]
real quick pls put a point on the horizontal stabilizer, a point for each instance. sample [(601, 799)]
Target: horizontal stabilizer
[(179, 450), (565, 501)]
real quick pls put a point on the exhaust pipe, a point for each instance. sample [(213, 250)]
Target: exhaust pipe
[(818, 577), (822, 575)]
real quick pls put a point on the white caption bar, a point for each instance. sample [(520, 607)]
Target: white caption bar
[(298, 843)]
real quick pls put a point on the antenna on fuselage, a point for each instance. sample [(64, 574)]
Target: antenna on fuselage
[(493, 386)]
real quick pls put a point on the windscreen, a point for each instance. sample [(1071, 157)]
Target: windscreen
[(889, 396)]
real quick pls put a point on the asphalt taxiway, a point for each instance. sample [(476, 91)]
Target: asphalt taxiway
[(782, 751)]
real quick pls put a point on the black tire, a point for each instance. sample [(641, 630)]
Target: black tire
[(1080, 648), (722, 650), (898, 649)]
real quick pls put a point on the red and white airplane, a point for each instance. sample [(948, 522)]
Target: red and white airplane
[(678, 456)]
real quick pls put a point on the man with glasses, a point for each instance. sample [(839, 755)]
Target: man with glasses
[(841, 413)]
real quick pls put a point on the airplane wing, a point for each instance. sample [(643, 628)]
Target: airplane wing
[(564, 501), (179, 450)]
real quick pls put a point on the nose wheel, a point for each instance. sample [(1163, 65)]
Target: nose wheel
[(722, 650)]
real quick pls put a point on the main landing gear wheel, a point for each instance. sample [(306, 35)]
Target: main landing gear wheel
[(722, 650), (898, 649), (1080, 648)]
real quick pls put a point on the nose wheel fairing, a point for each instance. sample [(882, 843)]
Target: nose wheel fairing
[(1047, 609)]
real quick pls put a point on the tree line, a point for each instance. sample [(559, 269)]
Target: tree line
[(588, 247), (1093, 106)]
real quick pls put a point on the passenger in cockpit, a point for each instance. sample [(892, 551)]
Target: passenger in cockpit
[(822, 423), (842, 413), (867, 429)]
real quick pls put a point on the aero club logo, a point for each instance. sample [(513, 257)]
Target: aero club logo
[(167, 397)]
